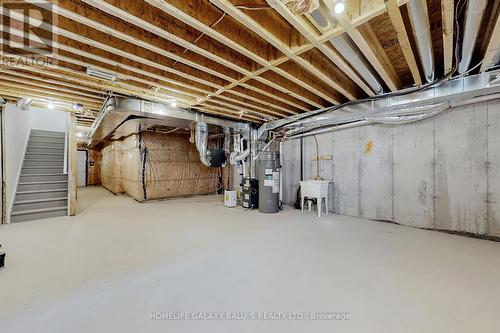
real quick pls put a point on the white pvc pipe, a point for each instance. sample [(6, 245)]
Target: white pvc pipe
[(245, 153)]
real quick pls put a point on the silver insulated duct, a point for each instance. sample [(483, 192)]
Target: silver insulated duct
[(475, 11), (353, 57), (422, 32), (201, 139)]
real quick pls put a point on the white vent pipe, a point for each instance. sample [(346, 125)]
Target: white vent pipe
[(201, 139), (243, 153), (475, 11), (422, 32), (354, 58)]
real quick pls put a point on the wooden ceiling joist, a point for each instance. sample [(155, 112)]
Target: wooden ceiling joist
[(448, 19), (42, 96), (41, 78), (134, 39), (271, 38), (195, 19), (253, 60), (214, 53), (16, 78), (51, 93), (493, 49), (313, 38), (397, 21), (85, 20), (372, 50)]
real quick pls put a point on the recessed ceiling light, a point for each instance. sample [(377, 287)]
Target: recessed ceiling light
[(79, 135), (339, 7), (51, 106), (173, 104)]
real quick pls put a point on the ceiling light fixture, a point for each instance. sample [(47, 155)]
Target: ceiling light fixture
[(51, 106), (173, 104), (77, 107), (339, 7)]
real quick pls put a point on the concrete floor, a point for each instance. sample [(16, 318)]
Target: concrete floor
[(118, 261)]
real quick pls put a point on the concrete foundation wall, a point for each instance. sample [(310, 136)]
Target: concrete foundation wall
[(442, 173)]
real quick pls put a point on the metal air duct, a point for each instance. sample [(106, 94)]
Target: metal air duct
[(475, 11), (357, 62), (122, 116), (422, 32), (458, 90), (201, 139)]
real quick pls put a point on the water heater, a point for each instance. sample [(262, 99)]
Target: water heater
[(268, 173)]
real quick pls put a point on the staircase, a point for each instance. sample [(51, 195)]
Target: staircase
[(42, 190)]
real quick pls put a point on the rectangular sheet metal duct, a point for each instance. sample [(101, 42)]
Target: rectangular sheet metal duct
[(120, 117)]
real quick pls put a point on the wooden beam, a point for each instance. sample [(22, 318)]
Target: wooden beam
[(16, 78), (214, 53), (108, 65), (371, 48), (239, 44), (236, 111), (49, 94), (448, 20), (397, 21), (244, 19), (312, 36), (76, 87), (275, 87), (154, 62), (493, 49), (71, 75), (40, 99), (274, 81)]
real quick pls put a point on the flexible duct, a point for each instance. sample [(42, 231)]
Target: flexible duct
[(227, 141), (392, 115), (353, 57), (475, 11), (201, 139), (422, 32), (415, 114)]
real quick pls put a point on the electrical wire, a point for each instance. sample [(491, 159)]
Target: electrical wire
[(318, 176), (244, 7)]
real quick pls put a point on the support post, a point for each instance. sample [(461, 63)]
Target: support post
[(72, 148)]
